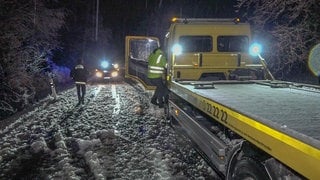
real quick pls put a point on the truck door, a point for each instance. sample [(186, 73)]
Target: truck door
[(137, 51)]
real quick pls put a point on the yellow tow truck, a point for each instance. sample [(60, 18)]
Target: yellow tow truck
[(246, 124)]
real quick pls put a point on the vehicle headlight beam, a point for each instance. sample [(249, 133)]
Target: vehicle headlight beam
[(176, 49)]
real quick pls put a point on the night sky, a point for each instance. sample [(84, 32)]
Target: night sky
[(119, 18)]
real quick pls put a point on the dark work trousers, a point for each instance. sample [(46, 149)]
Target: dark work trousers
[(160, 90), (81, 91)]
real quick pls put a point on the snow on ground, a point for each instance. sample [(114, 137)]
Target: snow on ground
[(116, 134)]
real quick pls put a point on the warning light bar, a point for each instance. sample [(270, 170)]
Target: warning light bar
[(187, 20)]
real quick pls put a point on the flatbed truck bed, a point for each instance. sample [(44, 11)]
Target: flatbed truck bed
[(281, 118)]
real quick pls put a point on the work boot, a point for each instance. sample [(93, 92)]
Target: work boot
[(154, 101), (161, 105), (79, 101)]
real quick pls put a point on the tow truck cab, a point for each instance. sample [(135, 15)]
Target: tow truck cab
[(211, 49), (198, 49)]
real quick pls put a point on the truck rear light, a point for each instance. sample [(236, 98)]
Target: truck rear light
[(176, 112)]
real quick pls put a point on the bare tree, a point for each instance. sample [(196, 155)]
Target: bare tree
[(290, 29), (28, 34)]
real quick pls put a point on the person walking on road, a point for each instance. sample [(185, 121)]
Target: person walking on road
[(80, 74), (157, 63)]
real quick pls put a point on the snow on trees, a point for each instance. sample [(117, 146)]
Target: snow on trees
[(289, 28), (28, 34)]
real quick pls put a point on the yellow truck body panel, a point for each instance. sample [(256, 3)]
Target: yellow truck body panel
[(283, 130)]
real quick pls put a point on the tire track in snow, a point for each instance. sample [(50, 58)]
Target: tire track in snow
[(89, 146)]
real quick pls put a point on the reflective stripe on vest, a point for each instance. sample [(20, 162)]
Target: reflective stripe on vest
[(79, 66), (156, 72), (80, 82), (156, 69), (159, 58)]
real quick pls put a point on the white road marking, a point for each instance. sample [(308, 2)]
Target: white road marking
[(116, 109)]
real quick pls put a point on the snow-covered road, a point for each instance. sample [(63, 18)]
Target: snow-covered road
[(117, 134)]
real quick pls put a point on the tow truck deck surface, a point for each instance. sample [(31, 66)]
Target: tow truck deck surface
[(281, 118)]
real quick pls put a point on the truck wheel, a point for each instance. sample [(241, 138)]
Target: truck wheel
[(166, 111), (249, 169)]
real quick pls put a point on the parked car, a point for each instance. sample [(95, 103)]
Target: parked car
[(107, 72)]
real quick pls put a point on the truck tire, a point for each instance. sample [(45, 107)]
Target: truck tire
[(167, 111), (248, 169)]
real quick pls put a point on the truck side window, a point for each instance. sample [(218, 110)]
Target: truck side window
[(196, 43), (140, 49), (232, 43)]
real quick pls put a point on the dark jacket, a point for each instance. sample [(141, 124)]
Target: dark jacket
[(79, 74)]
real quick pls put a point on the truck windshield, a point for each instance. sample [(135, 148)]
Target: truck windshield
[(196, 43), (233, 43)]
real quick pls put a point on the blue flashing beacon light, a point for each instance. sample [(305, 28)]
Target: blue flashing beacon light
[(104, 64)]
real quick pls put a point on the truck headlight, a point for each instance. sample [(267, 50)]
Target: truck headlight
[(255, 49), (104, 64), (176, 49)]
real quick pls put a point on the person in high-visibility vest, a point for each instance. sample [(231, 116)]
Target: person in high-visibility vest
[(157, 63)]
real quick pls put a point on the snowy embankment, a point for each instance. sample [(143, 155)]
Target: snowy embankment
[(116, 134)]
